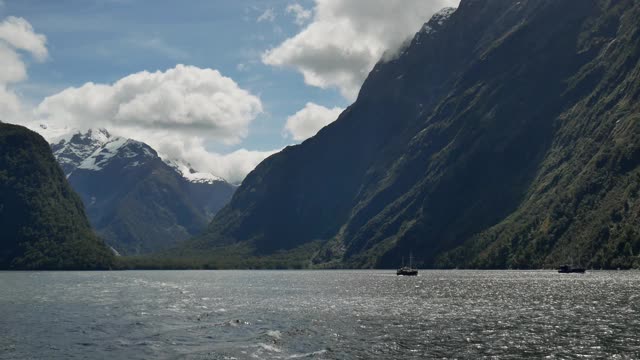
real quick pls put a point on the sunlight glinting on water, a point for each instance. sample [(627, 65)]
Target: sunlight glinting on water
[(319, 314)]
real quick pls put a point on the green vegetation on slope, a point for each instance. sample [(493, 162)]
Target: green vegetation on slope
[(42, 221), (231, 257), (506, 137), (583, 204)]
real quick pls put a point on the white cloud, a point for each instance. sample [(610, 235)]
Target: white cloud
[(13, 69), (185, 99), (233, 166), (16, 36), (11, 108), (177, 112), (268, 15), (18, 33), (171, 145), (346, 38), (301, 14), (308, 121)]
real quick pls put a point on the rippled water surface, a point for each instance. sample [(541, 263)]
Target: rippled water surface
[(318, 315)]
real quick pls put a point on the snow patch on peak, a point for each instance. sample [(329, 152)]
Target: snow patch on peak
[(103, 155), (94, 149), (132, 148), (120, 147), (202, 178), (100, 135), (72, 148), (186, 170)]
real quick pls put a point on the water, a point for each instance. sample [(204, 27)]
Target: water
[(319, 315)]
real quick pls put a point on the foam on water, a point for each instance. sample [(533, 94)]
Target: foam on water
[(307, 355)]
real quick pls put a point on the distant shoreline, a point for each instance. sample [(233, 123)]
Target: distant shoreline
[(309, 269)]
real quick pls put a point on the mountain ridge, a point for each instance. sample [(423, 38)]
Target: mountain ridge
[(139, 201), (452, 136)]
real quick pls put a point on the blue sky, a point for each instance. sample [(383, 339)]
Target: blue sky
[(104, 40), (286, 69)]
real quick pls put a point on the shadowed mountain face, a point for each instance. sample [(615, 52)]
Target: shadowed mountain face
[(137, 201), (42, 221), (505, 135)]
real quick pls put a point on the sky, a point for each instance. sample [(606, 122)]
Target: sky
[(221, 84)]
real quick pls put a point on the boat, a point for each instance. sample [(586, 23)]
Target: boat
[(567, 269), (570, 269), (407, 270)]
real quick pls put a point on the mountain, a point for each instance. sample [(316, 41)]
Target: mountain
[(505, 135), (42, 221), (138, 202)]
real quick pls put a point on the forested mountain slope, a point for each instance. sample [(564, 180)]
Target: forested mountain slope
[(42, 221), (506, 135)]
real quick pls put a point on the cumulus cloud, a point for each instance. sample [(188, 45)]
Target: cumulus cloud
[(16, 37), (185, 99), (233, 166), (301, 14), (308, 121), (177, 112), (11, 108), (13, 68), (346, 38), (18, 33)]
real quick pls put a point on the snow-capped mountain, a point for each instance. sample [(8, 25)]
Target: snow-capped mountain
[(72, 150), (138, 200), (93, 149), (187, 171)]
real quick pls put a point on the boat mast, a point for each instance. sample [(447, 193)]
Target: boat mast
[(411, 260)]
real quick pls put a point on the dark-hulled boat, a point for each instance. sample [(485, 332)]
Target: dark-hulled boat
[(567, 269), (407, 270)]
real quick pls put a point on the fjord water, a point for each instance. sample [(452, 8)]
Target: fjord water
[(318, 314)]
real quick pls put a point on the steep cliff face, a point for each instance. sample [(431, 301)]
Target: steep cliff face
[(478, 146), (583, 202), (42, 221)]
